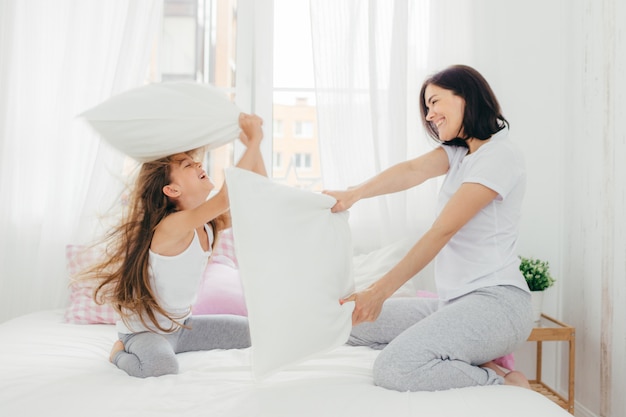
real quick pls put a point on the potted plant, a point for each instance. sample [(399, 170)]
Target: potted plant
[(537, 275)]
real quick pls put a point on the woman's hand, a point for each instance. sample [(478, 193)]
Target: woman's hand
[(251, 131), (345, 199), (368, 304)]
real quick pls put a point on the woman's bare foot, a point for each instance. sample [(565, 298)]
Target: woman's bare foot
[(510, 377), (117, 347), (494, 367), (516, 378)]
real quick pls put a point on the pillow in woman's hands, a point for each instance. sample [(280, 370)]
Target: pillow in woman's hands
[(295, 261)]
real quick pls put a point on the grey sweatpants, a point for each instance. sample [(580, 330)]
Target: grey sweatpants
[(430, 345), (150, 354)]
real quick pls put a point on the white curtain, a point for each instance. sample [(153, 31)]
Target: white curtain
[(58, 58), (370, 59)]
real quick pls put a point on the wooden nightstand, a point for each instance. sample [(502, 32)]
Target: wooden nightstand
[(550, 329)]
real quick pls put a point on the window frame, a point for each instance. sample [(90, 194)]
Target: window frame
[(254, 77)]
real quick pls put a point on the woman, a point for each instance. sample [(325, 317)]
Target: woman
[(484, 308)]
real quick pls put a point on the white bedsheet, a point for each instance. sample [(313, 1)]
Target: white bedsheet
[(49, 368)]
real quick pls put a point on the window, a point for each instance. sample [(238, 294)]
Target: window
[(302, 160), (304, 129), (199, 44), (278, 160), (294, 96), (278, 128), (178, 53), (213, 41)]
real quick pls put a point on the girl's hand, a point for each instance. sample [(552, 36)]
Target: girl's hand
[(345, 199), (367, 305), (251, 131)]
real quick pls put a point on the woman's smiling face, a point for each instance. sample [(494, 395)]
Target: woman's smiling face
[(445, 112)]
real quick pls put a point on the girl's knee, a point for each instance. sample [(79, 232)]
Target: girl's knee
[(158, 367), (168, 366), (144, 360)]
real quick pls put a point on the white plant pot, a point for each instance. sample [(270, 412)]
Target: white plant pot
[(537, 301)]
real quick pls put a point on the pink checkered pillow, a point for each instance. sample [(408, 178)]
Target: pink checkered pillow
[(224, 252), (221, 291), (83, 309)]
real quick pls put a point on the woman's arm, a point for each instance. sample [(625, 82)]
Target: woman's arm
[(460, 209), (397, 178)]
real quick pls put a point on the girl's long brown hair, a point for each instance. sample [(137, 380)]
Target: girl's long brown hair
[(123, 276)]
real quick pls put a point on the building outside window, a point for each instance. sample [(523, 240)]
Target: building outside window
[(277, 161)]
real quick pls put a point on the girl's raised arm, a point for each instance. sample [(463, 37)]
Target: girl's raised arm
[(174, 232)]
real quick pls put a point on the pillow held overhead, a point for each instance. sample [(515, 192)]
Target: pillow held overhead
[(157, 120), (295, 263)]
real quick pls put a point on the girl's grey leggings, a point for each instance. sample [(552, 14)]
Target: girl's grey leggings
[(150, 354), (430, 345)]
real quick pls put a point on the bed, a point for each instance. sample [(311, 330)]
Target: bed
[(52, 368), (55, 362)]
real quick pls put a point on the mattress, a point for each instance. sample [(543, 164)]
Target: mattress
[(52, 368)]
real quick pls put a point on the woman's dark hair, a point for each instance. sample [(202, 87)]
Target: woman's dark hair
[(482, 117)]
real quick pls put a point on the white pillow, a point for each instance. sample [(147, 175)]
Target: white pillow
[(157, 120), (370, 267), (295, 263)]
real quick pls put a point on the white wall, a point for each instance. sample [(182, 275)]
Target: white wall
[(524, 57), (594, 242), (558, 68)]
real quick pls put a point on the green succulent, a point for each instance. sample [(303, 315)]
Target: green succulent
[(537, 273)]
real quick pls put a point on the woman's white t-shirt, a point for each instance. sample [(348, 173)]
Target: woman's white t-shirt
[(484, 251)]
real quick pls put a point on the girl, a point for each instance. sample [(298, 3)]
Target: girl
[(484, 310), (158, 255)]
